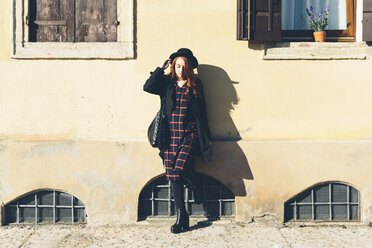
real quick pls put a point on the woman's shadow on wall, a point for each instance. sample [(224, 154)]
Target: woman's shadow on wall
[(229, 165)]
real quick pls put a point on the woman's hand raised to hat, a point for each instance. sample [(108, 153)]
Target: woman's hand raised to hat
[(165, 64)]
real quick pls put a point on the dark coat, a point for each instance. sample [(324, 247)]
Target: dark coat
[(161, 85)]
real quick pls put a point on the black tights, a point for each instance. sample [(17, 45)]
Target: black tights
[(177, 192), (188, 177)]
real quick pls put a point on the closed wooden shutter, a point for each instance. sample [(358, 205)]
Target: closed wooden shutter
[(367, 20), (96, 20), (265, 20), (243, 16), (51, 20)]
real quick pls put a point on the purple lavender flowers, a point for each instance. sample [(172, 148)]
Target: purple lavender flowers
[(318, 20)]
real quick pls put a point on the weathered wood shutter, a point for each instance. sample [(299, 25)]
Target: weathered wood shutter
[(96, 20), (243, 20), (367, 20), (265, 20), (72, 20), (51, 20)]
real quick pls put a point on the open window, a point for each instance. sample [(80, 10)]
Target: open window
[(286, 20)]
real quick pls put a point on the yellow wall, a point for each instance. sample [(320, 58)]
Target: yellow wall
[(94, 99), (101, 102)]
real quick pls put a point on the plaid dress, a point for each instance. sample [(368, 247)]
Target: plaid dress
[(183, 137)]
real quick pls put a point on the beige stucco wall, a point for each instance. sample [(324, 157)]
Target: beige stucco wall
[(108, 176), (301, 122)]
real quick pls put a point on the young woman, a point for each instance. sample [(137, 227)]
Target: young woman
[(182, 97)]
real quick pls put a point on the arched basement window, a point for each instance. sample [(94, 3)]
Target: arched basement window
[(46, 206), (327, 201), (155, 200)]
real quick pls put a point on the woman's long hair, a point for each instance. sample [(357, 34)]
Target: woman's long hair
[(192, 83)]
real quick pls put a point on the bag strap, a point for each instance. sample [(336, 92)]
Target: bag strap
[(162, 108)]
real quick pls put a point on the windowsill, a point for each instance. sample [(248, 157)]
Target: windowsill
[(70, 50), (315, 51)]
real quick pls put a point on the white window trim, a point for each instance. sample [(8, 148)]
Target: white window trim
[(358, 20), (122, 49), (357, 50)]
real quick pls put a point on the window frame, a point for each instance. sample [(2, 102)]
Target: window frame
[(247, 28), (293, 204), (123, 48), (348, 35), (208, 184), (36, 207)]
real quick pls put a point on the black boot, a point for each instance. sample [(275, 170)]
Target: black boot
[(182, 222)]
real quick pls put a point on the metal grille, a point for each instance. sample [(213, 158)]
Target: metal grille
[(45, 207), (328, 201), (156, 200)]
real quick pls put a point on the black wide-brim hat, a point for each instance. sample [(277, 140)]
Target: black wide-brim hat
[(185, 52)]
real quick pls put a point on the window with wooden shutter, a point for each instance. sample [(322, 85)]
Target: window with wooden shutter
[(264, 21), (367, 20), (73, 21), (78, 29)]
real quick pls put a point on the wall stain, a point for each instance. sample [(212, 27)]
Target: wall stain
[(121, 145), (241, 132), (360, 156), (251, 192), (97, 182), (2, 148), (50, 149)]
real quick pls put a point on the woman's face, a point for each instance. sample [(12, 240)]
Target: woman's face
[(180, 68)]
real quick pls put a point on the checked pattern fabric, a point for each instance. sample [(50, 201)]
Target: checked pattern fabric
[(183, 137)]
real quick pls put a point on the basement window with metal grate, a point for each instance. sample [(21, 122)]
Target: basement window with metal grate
[(45, 206), (155, 200), (325, 202)]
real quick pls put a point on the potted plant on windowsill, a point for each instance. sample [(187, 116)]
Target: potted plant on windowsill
[(318, 23)]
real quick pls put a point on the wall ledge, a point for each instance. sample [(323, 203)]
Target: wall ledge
[(315, 51), (70, 50)]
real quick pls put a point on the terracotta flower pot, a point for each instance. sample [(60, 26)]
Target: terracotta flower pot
[(319, 36)]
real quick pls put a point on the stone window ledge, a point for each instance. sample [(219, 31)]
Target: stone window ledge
[(315, 51), (70, 50)]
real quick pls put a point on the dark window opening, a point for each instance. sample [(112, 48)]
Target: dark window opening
[(155, 200), (327, 202), (45, 206)]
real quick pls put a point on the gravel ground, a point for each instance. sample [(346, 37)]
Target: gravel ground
[(155, 233)]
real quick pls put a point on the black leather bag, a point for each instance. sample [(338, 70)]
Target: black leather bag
[(157, 132)]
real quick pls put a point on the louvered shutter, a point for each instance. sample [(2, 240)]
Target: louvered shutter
[(367, 20), (265, 20), (51, 20), (243, 15), (96, 21)]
